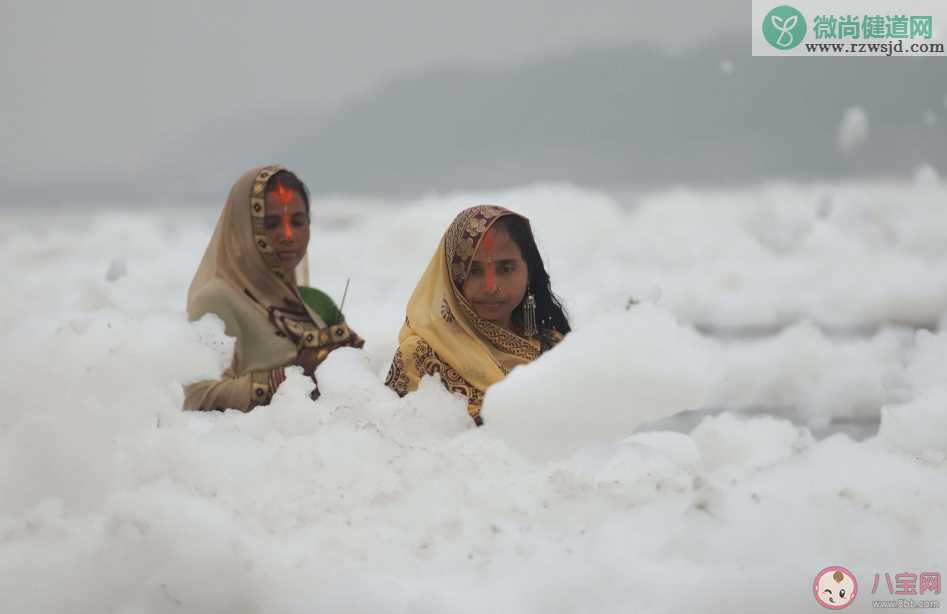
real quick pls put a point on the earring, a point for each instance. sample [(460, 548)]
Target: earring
[(529, 314)]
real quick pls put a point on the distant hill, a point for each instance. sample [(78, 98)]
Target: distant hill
[(630, 116), (611, 117)]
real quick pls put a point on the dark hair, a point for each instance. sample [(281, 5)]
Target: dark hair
[(290, 181), (550, 314)]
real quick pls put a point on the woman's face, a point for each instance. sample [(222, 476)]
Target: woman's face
[(498, 276), (287, 226)]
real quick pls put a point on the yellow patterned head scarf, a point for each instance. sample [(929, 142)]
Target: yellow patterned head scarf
[(442, 333)]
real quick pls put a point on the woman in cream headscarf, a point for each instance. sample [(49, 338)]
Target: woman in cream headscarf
[(483, 306), (249, 279)]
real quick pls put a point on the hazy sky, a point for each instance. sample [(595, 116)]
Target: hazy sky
[(98, 85)]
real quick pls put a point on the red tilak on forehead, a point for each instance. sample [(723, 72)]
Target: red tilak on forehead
[(487, 246), (487, 243), (287, 231), (283, 196)]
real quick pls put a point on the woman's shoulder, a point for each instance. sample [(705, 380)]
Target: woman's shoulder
[(219, 298), (322, 304), (216, 294), (549, 339)]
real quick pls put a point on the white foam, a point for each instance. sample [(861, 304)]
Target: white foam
[(113, 499)]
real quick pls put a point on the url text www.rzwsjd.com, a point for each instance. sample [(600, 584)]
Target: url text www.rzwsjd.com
[(876, 48)]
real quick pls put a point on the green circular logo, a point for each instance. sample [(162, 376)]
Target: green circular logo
[(784, 27)]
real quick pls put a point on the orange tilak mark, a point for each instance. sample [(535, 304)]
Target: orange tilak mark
[(287, 231), (285, 197), (487, 246)]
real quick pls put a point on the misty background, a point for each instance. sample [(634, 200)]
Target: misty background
[(111, 102)]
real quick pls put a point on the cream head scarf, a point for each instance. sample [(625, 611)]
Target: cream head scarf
[(241, 281)]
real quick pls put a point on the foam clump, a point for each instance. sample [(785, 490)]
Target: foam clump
[(600, 384)]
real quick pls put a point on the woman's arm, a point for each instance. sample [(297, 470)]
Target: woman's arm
[(229, 391), (232, 392), (414, 359)]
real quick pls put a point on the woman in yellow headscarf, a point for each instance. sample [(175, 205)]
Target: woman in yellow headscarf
[(250, 278), (483, 306)]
